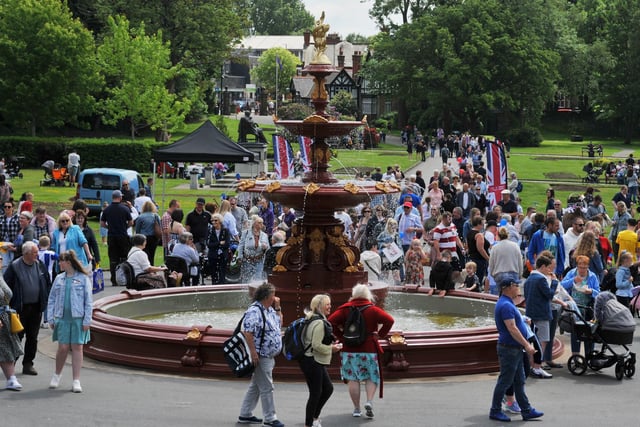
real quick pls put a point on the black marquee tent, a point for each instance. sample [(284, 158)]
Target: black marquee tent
[(206, 144)]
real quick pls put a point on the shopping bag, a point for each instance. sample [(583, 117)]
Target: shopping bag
[(16, 324), (98, 280)]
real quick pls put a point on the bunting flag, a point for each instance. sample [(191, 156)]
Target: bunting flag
[(278, 62), (282, 157), (305, 152), (496, 171)]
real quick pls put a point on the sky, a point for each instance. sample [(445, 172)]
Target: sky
[(344, 16)]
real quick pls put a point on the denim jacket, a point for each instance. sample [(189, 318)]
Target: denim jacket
[(81, 299)]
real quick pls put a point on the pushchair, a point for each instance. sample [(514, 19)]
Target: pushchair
[(593, 173), (614, 326), (13, 167), (54, 174)]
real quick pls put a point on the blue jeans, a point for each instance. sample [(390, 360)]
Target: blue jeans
[(511, 373)]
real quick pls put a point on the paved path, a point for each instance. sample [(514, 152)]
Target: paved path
[(120, 396)]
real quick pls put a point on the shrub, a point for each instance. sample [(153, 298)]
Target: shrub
[(522, 137), (294, 111)]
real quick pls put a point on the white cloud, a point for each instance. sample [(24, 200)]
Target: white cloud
[(344, 16)]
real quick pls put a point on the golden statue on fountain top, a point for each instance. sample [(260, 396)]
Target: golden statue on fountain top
[(320, 41)]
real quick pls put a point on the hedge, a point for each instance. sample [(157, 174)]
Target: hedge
[(95, 152)]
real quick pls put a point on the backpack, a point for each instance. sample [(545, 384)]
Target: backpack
[(609, 281), (519, 187), (355, 328), (293, 346), (125, 275)]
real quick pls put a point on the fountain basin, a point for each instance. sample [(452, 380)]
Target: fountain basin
[(197, 350)]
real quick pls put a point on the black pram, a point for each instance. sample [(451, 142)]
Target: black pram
[(614, 325)]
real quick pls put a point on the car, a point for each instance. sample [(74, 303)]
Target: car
[(95, 185)]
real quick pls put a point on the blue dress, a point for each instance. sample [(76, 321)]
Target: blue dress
[(68, 330)]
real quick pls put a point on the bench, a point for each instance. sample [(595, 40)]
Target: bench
[(596, 150)]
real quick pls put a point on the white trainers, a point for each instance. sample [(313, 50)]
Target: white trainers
[(316, 423), (55, 381), (540, 373), (357, 413), (13, 384), (76, 387)]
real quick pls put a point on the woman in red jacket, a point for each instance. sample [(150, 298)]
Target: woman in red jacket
[(361, 362)]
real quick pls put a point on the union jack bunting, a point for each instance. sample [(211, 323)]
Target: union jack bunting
[(305, 151), (282, 158), (496, 171)]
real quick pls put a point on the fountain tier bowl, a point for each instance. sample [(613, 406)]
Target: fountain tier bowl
[(197, 350)]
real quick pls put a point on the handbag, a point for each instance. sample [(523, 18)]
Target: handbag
[(237, 352), (16, 324), (98, 280), (157, 230)]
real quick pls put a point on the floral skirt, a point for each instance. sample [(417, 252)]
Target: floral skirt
[(360, 367)]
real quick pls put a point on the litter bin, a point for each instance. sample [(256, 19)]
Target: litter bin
[(208, 175), (193, 185)]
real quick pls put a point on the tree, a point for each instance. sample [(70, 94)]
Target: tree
[(201, 35), (463, 59), (623, 40), (137, 69), (344, 103), (265, 72), (47, 65), (278, 17)]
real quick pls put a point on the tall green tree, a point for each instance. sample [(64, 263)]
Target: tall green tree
[(47, 65), (137, 69), (265, 72), (622, 90), (279, 17)]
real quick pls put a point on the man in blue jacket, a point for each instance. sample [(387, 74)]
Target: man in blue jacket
[(548, 239)]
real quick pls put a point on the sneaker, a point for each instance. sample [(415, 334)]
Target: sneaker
[(274, 423), (44, 325), (55, 381), (357, 413), (540, 373), (76, 387), (512, 407), (13, 384), (531, 414), (316, 423), (499, 416), (368, 407), (250, 420)]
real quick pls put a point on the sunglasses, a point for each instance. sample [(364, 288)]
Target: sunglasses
[(64, 221), (8, 207)]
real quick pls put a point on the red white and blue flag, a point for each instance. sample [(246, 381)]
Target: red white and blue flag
[(305, 152), (282, 157), (496, 171)]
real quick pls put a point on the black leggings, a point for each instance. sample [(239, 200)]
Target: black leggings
[(320, 387)]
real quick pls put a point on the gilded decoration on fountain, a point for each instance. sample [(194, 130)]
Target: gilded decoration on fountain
[(273, 186), (320, 41), (316, 244), (245, 184), (351, 188), (311, 188)]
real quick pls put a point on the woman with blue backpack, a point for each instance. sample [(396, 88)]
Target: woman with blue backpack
[(319, 346)]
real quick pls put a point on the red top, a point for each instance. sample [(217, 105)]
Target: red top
[(373, 316)]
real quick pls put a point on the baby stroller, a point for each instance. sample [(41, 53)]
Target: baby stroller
[(13, 167), (593, 173), (614, 326)]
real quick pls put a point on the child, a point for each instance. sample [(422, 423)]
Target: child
[(441, 276), (624, 281), (103, 230), (414, 261), (472, 282), (47, 257)]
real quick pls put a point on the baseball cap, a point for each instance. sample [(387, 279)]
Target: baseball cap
[(505, 192), (117, 194), (506, 283), (200, 201), (407, 204)]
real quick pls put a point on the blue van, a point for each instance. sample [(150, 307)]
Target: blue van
[(96, 185)]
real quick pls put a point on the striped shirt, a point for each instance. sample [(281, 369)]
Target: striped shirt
[(447, 237)]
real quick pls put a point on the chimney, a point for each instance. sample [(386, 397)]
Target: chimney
[(357, 59), (307, 38), (333, 38), (340, 58)]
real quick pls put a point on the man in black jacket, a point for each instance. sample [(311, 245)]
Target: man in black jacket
[(29, 280)]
